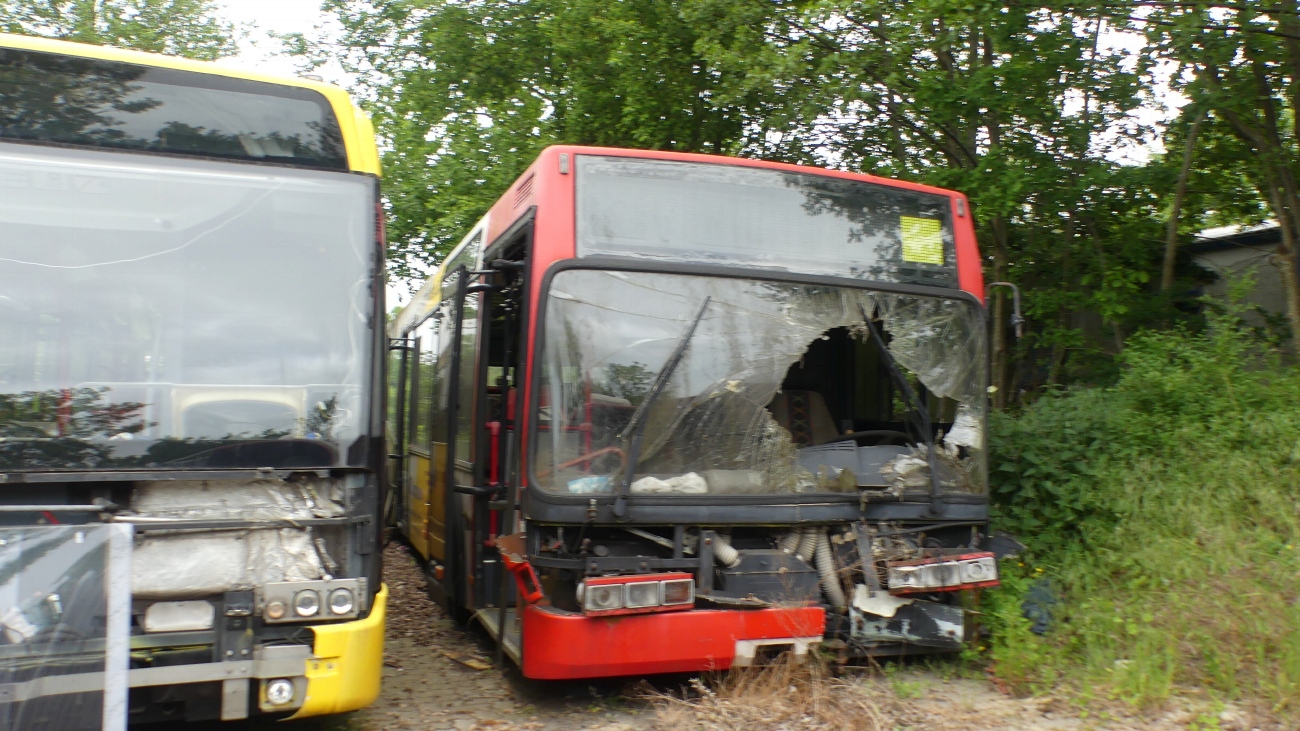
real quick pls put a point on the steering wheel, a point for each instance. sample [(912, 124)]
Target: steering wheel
[(886, 435)]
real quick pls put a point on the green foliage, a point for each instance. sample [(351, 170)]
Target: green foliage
[(1023, 108), (1171, 526), (467, 94), (189, 28)]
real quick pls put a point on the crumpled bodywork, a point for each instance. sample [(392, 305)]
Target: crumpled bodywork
[(189, 563)]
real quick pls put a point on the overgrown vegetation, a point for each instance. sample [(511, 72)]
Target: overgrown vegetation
[(783, 696), (1163, 512)]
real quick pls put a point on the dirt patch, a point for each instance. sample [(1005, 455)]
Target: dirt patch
[(441, 676)]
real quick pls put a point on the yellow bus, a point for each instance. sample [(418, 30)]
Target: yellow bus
[(192, 356)]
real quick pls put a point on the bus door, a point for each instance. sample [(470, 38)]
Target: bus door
[(488, 317), (424, 516), (453, 465)]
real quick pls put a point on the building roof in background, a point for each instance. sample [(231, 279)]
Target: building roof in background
[(1264, 235)]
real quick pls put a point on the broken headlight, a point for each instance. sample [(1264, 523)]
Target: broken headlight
[(946, 573)]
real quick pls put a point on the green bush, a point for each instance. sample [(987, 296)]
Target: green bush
[(1165, 509)]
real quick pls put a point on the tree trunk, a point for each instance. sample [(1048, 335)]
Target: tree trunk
[(1180, 192), (1001, 353), (1059, 353)]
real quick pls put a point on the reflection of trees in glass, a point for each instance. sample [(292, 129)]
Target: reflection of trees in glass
[(630, 381), (874, 212), (79, 413), (78, 428), (67, 99), (88, 102), (321, 420), (50, 429)]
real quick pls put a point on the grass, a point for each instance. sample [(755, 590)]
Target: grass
[(1163, 509), (785, 695)]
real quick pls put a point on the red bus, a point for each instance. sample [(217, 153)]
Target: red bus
[(665, 412)]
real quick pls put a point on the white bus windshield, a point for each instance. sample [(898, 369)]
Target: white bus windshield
[(171, 313)]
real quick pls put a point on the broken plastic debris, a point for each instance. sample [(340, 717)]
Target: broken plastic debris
[(879, 603), (590, 484), (965, 431), (469, 661), (689, 483)]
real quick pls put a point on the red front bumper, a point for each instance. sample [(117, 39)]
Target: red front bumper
[(562, 645)]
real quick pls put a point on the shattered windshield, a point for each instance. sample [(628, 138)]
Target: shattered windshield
[(778, 388), (170, 313)]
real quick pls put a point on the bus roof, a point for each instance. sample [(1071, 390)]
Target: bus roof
[(358, 133)]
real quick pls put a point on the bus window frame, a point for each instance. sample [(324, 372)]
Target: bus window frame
[(727, 509)]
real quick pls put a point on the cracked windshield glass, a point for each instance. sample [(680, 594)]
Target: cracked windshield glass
[(165, 313), (738, 386)]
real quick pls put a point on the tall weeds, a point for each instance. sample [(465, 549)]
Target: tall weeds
[(1163, 512), (783, 696)]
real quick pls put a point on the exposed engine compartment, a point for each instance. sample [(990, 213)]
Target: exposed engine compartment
[(864, 575)]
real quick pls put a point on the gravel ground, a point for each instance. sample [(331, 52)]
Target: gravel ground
[(438, 676)]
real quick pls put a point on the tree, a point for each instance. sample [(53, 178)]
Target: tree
[(189, 28), (465, 94), (1011, 104), (1243, 63), (1023, 107)]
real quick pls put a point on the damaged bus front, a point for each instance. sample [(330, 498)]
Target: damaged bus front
[(189, 299), (737, 404)]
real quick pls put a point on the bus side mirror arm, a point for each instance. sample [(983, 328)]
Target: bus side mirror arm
[(1017, 321)]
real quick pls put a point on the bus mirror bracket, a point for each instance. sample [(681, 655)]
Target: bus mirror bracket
[(1017, 321)]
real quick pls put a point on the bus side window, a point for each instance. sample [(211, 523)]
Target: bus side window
[(441, 387), (398, 422), (424, 391)]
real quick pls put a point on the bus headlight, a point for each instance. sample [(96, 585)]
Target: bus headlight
[(944, 573), (279, 691), (642, 594), (306, 603), (313, 600), (636, 594), (341, 601), (602, 598)]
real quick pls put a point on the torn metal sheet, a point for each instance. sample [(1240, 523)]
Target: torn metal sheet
[(919, 622), (254, 500), (879, 603), (177, 566)]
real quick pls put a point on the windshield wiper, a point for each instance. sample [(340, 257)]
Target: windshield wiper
[(922, 413), (636, 425)]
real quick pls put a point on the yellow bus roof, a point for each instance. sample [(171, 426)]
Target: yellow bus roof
[(358, 133)]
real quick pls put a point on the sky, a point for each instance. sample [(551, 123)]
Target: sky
[(259, 51)]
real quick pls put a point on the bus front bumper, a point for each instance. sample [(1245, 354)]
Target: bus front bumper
[(340, 672), (561, 645), (346, 666)]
